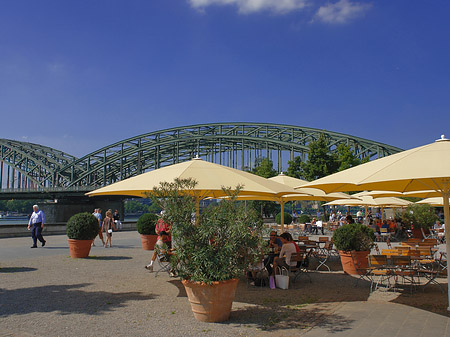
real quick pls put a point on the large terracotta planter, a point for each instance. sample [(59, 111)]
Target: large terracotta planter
[(148, 241), (211, 303), (347, 261), (79, 248)]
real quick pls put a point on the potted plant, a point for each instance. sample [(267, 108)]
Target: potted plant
[(146, 228), (81, 229), (419, 216), (213, 249), (353, 239), (287, 218)]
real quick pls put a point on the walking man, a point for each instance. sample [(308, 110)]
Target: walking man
[(37, 221)]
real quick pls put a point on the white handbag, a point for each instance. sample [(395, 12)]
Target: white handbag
[(282, 278)]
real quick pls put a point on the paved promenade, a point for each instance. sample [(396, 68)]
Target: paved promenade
[(43, 292)]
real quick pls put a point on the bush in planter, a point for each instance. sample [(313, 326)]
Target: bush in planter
[(353, 236), (82, 226), (304, 218), (146, 224), (419, 216), (287, 218), (216, 247)]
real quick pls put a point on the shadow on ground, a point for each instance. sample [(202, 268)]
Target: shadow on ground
[(64, 299), (109, 258), (16, 269)]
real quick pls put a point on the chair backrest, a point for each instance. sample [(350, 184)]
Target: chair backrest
[(410, 244), (414, 240), (424, 251), (303, 238), (401, 260), (389, 252), (378, 260), (383, 230), (433, 241), (414, 253), (403, 250), (426, 244), (324, 238)]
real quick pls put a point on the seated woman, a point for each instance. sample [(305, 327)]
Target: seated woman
[(284, 259)]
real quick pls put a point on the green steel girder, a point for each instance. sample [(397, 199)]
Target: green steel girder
[(232, 144)]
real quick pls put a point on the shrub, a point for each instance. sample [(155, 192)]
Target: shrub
[(82, 226), (304, 218), (419, 215), (287, 218), (146, 224), (353, 236)]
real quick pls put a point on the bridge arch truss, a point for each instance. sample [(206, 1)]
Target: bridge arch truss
[(238, 145)]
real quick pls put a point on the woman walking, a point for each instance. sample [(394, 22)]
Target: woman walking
[(108, 227)]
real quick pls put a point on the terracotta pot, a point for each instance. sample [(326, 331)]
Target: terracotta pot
[(211, 303), (148, 241), (79, 248), (347, 261)]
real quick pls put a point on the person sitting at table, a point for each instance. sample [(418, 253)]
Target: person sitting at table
[(385, 225), (438, 225), (284, 259), (274, 245), (349, 219)]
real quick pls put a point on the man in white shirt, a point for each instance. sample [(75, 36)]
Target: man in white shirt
[(36, 224)]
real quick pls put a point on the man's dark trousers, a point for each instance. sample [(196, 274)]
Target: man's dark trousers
[(36, 233)]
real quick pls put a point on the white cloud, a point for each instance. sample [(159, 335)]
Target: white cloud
[(341, 11), (253, 6)]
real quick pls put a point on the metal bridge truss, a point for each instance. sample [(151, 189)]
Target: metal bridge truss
[(236, 145)]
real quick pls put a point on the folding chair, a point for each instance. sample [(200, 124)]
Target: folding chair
[(163, 262), (322, 254), (377, 264), (302, 265), (431, 271), (405, 270), (385, 234), (363, 272)]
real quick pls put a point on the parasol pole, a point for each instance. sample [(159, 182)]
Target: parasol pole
[(445, 196), (282, 215)]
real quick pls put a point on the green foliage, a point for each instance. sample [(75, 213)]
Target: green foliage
[(154, 208), (265, 208), (264, 168), (216, 247), (287, 218), (133, 206), (146, 224), (294, 168), (304, 218), (82, 226), (21, 206), (419, 215), (320, 162), (354, 236), (346, 157)]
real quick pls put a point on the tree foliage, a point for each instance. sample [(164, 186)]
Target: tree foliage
[(419, 216), (264, 168), (320, 161), (347, 158), (133, 206), (294, 168)]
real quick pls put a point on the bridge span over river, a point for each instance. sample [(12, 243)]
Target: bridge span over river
[(35, 171)]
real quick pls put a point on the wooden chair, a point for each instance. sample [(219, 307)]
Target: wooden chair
[(431, 241), (405, 270), (415, 240), (378, 270), (384, 233), (324, 238), (302, 265), (403, 250), (303, 238), (323, 254)]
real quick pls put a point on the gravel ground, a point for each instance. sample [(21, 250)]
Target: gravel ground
[(46, 293)]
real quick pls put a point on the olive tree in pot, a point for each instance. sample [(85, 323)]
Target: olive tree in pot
[(418, 217), (357, 239), (212, 250), (146, 228), (81, 229)]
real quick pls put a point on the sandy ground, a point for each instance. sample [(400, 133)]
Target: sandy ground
[(44, 292)]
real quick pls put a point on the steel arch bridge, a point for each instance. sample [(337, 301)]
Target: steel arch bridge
[(32, 166)]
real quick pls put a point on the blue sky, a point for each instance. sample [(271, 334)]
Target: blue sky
[(79, 75)]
